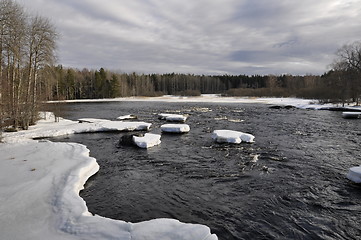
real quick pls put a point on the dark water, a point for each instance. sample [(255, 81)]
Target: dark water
[(296, 190)]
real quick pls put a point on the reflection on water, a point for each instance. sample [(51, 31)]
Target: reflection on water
[(289, 184)]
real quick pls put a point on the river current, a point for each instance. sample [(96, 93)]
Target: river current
[(289, 184)]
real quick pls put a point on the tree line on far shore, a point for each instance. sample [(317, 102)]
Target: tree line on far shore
[(29, 75), (342, 84)]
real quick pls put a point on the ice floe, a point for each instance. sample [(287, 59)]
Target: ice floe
[(354, 174), (147, 141), (175, 128), (172, 117), (230, 136)]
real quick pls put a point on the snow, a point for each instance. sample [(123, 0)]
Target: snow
[(173, 117), (216, 98), (149, 140), (40, 183), (40, 180), (230, 136), (65, 127), (354, 174), (175, 128), (126, 117)]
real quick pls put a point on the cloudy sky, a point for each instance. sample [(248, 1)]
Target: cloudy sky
[(202, 36)]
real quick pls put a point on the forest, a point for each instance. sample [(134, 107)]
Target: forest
[(337, 85), (30, 76)]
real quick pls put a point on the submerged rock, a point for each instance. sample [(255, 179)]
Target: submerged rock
[(282, 107), (128, 139)]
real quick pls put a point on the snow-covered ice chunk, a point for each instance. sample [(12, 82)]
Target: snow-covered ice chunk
[(125, 126), (102, 125), (149, 140), (354, 174), (126, 117), (351, 114), (172, 117), (230, 136), (175, 128)]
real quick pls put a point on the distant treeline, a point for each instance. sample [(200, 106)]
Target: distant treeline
[(72, 83)]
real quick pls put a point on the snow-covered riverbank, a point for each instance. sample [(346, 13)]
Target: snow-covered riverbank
[(297, 102), (215, 98), (39, 190)]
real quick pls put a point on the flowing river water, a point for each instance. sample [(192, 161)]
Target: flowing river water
[(289, 184)]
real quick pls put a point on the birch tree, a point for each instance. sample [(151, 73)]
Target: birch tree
[(27, 46), (12, 35), (41, 43)]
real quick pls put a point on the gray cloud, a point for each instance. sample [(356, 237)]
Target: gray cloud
[(204, 36)]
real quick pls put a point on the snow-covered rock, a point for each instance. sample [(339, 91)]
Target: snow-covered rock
[(175, 128), (354, 174), (173, 117), (230, 136), (147, 141), (126, 117)]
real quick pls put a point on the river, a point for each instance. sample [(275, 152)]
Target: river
[(289, 184)]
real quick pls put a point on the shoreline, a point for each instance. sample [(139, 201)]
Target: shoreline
[(216, 98)]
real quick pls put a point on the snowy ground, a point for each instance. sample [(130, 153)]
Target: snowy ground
[(40, 182)]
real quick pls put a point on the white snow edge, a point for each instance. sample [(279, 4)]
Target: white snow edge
[(149, 140), (175, 128), (173, 117), (230, 136), (354, 174)]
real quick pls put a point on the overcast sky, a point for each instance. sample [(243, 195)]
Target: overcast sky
[(201, 36)]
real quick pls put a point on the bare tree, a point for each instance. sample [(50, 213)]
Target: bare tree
[(348, 63), (27, 45), (12, 41), (41, 44)]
